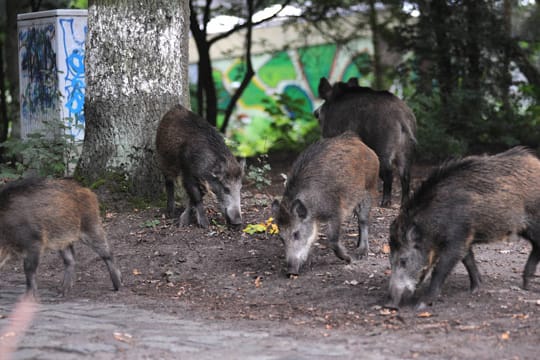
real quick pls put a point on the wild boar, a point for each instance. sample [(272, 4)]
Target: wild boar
[(188, 145), (478, 199), (327, 182), (38, 214), (384, 123)]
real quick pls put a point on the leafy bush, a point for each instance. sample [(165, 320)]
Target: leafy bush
[(289, 126), (51, 151)]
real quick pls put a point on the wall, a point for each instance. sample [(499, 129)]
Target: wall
[(295, 71)]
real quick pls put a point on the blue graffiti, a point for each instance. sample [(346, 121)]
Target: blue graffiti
[(74, 75), (38, 64)]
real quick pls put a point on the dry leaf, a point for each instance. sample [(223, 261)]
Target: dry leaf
[(505, 335), (386, 311), (328, 327), (124, 337), (386, 249), (258, 282), (520, 316), (424, 314), (136, 272)]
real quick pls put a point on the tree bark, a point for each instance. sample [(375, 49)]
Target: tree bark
[(375, 39), (206, 88), (248, 75), (136, 69)]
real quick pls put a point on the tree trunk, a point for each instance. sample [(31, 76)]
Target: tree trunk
[(375, 38), (4, 120), (206, 88), (248, 75), (12, 66), (136, 69)]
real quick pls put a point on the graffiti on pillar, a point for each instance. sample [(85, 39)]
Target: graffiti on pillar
[(72, 43), (38, 68), (74, 88)]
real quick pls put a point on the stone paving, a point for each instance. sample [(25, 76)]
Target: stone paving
[(82, 329)]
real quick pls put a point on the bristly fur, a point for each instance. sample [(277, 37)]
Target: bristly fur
[(345, 89), (425, 193), (14, 188)]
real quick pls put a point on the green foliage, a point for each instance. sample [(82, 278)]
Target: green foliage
[(434, 140), (151, 223), (79, 4), (51, 151), (259, 174), (289, 127)]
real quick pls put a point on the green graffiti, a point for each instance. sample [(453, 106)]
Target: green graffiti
[(299, 96), (317, 62), (277, 69), (360, 66)]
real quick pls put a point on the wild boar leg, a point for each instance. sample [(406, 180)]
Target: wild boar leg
[(386, 176), (31, 262), (362, 213), (195, 202), (68, 255), (169, 187), (474, 274), (333, 240), (446, 262), (530, 266), (95, 238), (405, 178)]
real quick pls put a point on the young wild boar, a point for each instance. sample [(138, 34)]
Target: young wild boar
[(384, 123), (329, 180), (478, 199), (38, 214), (188, 145)]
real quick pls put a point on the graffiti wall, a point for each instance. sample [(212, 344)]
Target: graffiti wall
[(51, 69), (294, 72)]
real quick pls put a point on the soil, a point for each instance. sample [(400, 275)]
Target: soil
[(220, 274)]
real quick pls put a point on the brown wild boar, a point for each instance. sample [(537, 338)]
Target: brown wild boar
[(478, 199), (327, 182), (38, 214)]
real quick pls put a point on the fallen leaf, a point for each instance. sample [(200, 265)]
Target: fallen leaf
[(505, 335), (136, 272), (124, 337), (425, 314), (258, 282), (520, 316), (386, 312), (328, 327), (386, 249)]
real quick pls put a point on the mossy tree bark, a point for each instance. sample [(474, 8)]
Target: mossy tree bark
[(136, 69)]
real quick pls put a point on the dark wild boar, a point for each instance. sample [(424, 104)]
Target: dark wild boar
[(188, 145), (478, 199), (38, 214), (329, 180), (384, 123)]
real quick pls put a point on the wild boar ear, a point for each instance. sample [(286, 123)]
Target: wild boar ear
[(413, 234), (217, 173), (352, 82), (325, 89), (300, 209), (275, 208), (242, 163)]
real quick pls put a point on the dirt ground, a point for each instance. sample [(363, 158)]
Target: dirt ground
[(221, 274)]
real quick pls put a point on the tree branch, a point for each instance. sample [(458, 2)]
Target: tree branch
[(245, 25)]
